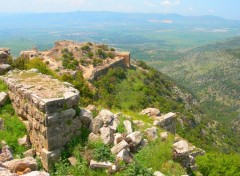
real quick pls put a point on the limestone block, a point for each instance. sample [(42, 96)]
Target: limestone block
[(151, 112), (49, 157), (135, 138), (3, 98), (96, 124), (106, 116), (120, 146), (151, 133), (107, 135), (99, 165), (86, 117), (128, 126), (125, 155)]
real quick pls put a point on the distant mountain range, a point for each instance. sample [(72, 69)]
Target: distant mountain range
[(75, 18)]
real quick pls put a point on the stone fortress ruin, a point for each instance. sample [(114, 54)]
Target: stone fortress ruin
[(50, 117), (90, 72)]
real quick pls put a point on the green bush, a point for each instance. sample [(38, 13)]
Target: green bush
[(97, 62), (103, 153), (219, 164), (135, 169), (79, 83), (41, 66)]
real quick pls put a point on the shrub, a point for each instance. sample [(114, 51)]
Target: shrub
[(97, 62), (103, 153), (41, 66), (134, 169), (101, 54), (85, 48)]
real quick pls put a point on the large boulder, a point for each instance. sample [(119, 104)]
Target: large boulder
[(185, 153), (24, 141), (6, 172), (151, 112), (128, 126), (164, 135), (6, 154), (118, 137), (96, 124), (4, 54), (37, 173), (29, 153), (19, 165), (125, 156), (107, 135), (167, 122), (120, 146), (134, 138), (151, 133), (93, 137), (4, 68), (86, 117), (3, 98), (107, 116)]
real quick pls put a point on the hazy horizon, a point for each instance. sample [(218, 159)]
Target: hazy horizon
[(220, 8)]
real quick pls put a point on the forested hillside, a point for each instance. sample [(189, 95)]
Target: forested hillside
[(212, 73)]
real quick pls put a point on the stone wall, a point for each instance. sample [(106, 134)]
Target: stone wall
[(102, 70), (48, 108)]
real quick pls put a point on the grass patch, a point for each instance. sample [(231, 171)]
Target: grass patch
[(14, 129), (161, 157)]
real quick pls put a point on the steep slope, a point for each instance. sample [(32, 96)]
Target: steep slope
[(212, 73), (137, 89)]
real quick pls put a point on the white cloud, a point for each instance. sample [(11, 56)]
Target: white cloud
[(149, 4), (168, 3)]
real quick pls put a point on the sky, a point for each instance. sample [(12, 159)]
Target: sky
[(223, 8)]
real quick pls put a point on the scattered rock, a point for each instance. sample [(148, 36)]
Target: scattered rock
[(4, 68), (164, 136), (96, 124), (139, 123), (167, 122), (93, 137), (144, 143), (91, 108), (135, 138), (3, 98), (107, 135), (114, 123), (120, 146), (29, 153), (6, 172), (157, 173), (86, 117), (151, 133), (72, 160), (118, 137), (125, 155), (128, 126), (37, 173), (24, 141), (6, 154), (106, 116), (186, 153), (99, 165), (19, 165), (151, 112)]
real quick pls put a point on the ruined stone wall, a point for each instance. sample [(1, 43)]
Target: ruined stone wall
[(102, 70), (50, 121)]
